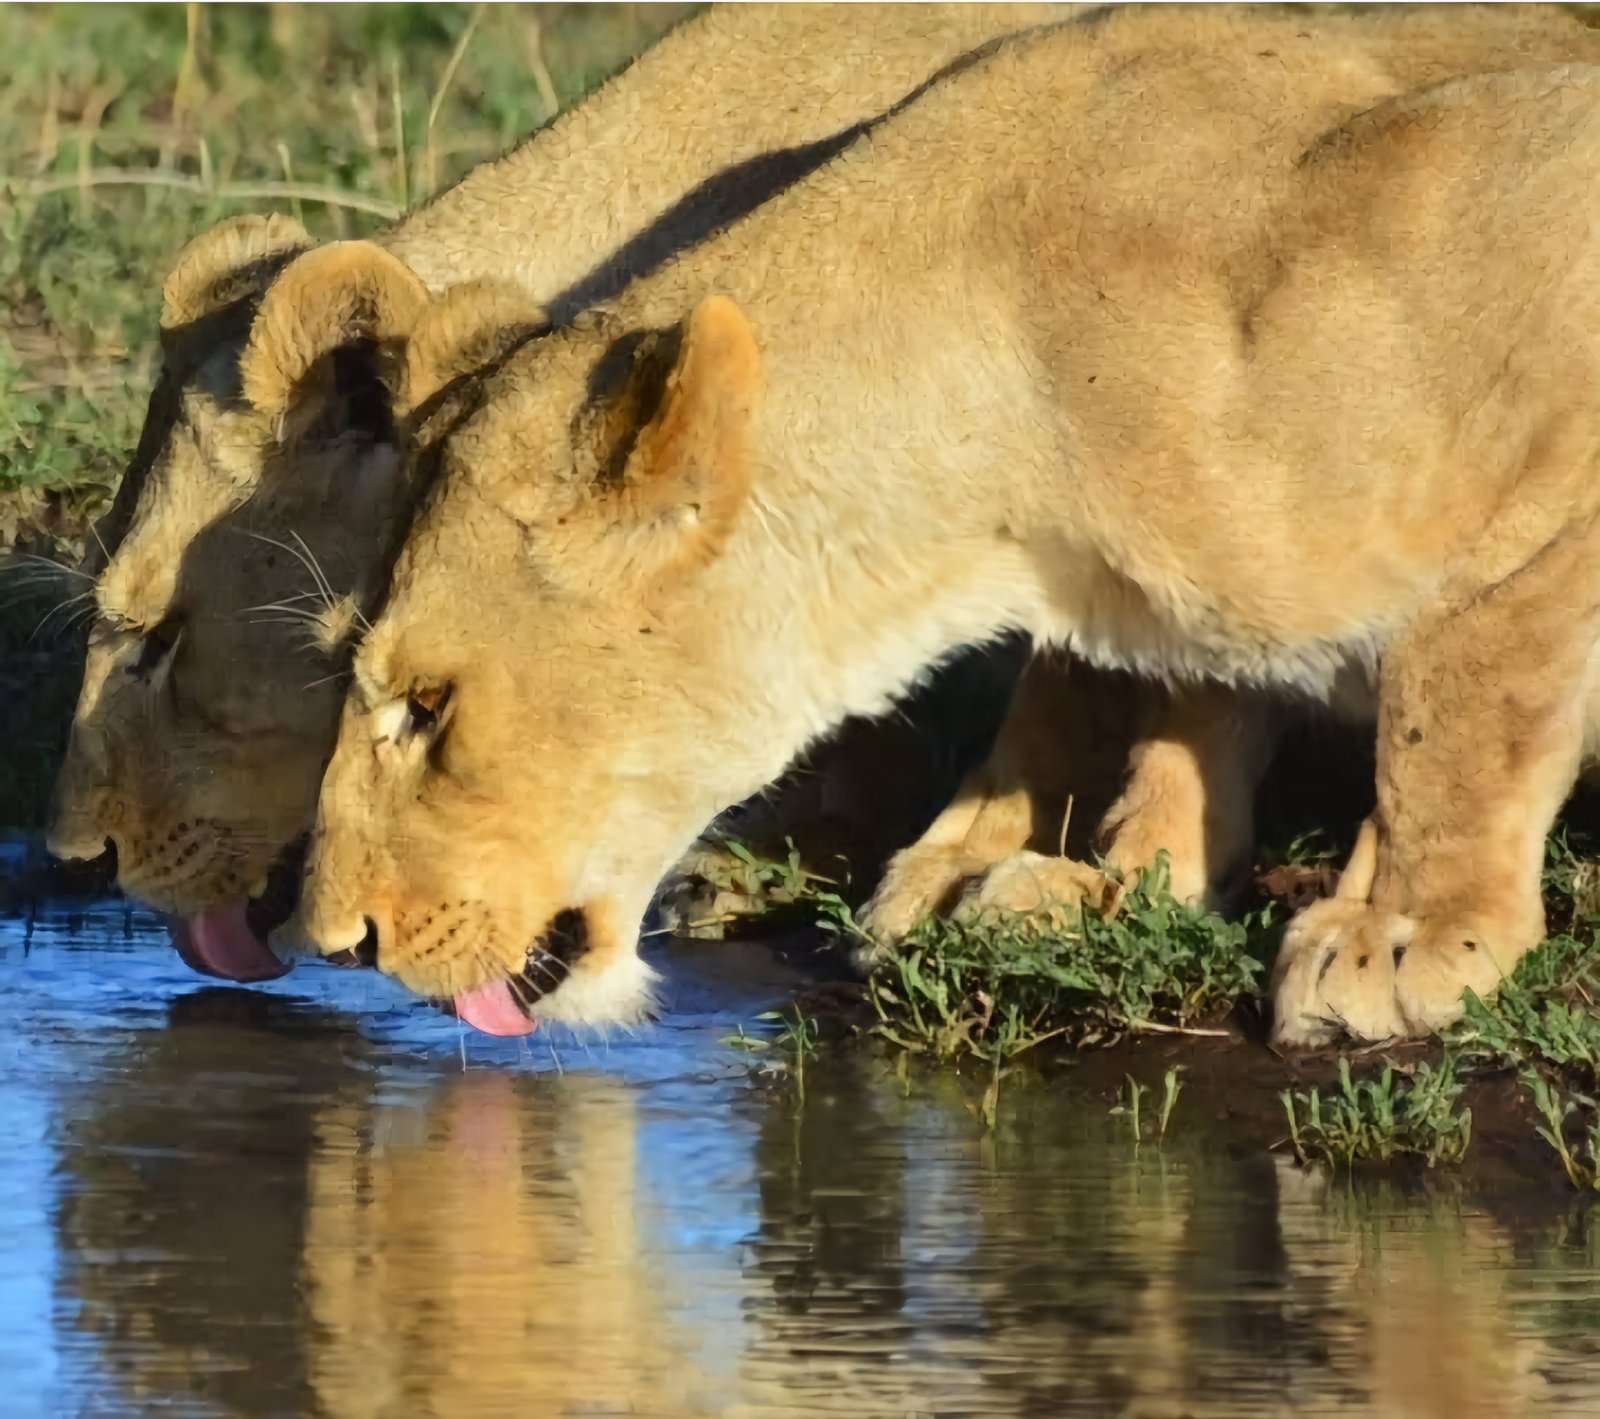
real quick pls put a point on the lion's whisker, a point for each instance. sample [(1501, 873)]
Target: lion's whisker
[(316, 571), (323, 589), (58, 609)]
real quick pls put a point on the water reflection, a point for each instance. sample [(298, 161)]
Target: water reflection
[(222, 1202), (184, 1207), (481, 1251)]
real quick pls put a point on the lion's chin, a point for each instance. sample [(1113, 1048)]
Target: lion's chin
[(220, 942), (494, 1010)]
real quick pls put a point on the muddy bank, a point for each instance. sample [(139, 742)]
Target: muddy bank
[(1232, 1087)]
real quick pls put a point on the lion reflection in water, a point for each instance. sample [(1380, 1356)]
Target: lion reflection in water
[(548, 1245)]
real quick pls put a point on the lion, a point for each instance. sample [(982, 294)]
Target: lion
[(253, 541), (1186, 355), (250, 528)]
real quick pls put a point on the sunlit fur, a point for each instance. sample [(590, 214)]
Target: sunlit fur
[(1165, 339), (268, 475)]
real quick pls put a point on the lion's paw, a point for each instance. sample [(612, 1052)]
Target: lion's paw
[(705, 893), (1346, 967), (1036, 885), (919, 880)]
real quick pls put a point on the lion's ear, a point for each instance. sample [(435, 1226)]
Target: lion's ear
[(469, 328), (236, 259), (672, 449), (328, 341)]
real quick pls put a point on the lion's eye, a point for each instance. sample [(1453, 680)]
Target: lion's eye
[(424, 707), (155, 647)]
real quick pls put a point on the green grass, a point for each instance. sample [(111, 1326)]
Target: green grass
[(1545, 1026), (993, 989), (1132, 1106), (795, 1038), (1380, 1120), (1542, 1026), (742, 890), (1544, 1023)]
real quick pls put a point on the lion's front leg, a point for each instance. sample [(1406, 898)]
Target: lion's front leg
[(1059, 755), (1481, 714), (1189, 792), (1187, 762)]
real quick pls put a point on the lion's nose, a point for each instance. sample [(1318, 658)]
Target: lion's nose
[(359, 935), (76, 837), (87, 867), (361, 957)]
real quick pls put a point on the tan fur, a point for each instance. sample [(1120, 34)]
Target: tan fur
[(347, 293), (256, 525), (470, 326), (1167, 340), (217, 268)]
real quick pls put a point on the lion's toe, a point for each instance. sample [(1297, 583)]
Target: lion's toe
[(1442, 964), (1033, 884), (919, 881), (1336, 975)]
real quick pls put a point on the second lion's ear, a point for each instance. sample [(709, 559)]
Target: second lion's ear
[(665, 447), (467, 329), (327, 347), (235, 259), (690, 468)]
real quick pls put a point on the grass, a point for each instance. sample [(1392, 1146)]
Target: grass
[(1132, 1107), (129, 129), (1544, 1025), (1379, 1120), (746, 891), (994, 989), (795, 1039), (1559, 1110)]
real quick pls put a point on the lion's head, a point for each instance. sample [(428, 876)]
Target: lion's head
[(536, 729), (270, 473)]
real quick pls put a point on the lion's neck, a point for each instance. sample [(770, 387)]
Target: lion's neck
[(649, 159), (839, 599)]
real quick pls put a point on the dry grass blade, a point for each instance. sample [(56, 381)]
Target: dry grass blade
[(445, 80), (241, 192)]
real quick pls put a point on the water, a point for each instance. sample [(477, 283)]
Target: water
[(318, 1198)]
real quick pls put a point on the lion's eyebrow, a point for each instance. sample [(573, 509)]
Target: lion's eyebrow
[(371, 691), (115, 618), (124, 621)]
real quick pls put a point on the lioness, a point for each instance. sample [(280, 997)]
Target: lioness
[(1184, 354), (255, 523), (207, 710)]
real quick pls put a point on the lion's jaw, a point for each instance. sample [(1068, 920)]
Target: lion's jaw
[(497, 815)]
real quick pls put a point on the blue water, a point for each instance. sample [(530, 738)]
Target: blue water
[(319, 1197)]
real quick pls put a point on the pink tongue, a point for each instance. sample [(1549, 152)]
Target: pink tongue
[(219, 942), (491, 1009)]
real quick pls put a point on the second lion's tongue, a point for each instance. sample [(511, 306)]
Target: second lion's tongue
[(220, 942), (492, 1009)]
